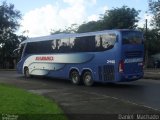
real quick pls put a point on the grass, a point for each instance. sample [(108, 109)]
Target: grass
[(28, 106)]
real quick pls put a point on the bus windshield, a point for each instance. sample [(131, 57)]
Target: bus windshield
[(19, 51), (132, 37)]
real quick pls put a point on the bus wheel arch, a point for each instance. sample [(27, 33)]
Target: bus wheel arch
[(26, 72), (87, 77), (74, 76)]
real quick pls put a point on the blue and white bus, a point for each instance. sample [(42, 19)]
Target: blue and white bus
[(102, 56)]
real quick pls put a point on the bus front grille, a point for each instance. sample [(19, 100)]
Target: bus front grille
[(106, 72)]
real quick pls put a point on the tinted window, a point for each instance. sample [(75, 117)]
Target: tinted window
[(60, 46), (105, 41), (132, 37), (31, 48), (78, 44), (84, 44), (38, 47)]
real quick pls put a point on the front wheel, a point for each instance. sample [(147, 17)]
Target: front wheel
[(26, 72), (87, 79)]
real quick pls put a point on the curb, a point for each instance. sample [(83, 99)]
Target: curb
[(7, 69), (154, 78)]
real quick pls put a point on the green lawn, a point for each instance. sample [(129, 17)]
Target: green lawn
[(15, 101)]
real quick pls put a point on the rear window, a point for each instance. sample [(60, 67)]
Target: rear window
[(132, 37)]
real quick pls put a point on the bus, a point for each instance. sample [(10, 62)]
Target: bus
[(101, 56)]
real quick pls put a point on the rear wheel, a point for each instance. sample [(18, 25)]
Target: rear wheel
[(88, 79), (75, 78), (26, 72)]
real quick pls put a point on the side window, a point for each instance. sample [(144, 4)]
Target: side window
[(84, 44), (41, 47), (79, 43), (108, 40), (99, 43), (53, 44), (105, 41), (60, 45), (72, 46), (31, 48), (64, 46), (90, 44)]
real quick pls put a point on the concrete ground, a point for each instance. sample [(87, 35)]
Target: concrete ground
[(103, 101)]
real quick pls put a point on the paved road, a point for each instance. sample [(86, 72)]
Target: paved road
[(141, 96)]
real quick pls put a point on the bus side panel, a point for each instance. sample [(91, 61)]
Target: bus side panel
[(42, 64), (106, 64)]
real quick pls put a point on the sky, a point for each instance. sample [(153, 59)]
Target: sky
[(40, 16)]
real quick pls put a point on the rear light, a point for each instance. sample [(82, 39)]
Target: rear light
[(121, 66), (141, 64)]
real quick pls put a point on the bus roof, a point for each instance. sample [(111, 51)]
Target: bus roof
[(70, 35)]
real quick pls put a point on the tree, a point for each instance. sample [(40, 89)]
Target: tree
[(71, 29), (155, 10), (154, 34), (8, 25), (152, 42), (117, 18), (90, 26), (120, 18), (8, 20)]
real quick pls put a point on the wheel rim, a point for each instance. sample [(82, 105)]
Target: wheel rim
[(88, 79), (75, 78)]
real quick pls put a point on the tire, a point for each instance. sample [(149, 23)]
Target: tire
[(88, 79), (75, 78), (26, 72)]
